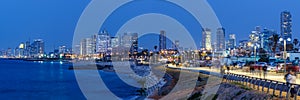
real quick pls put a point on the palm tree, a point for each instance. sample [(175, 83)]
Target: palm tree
[(274, 38), (296, 42), (155, 48)]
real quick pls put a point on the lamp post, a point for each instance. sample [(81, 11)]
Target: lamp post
[(284, 52), (255, 54), (254, 47)]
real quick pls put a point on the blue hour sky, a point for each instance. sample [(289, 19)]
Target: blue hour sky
[(55, 20)]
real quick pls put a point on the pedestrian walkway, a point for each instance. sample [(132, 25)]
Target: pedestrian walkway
[(270, 75), (275, 87)]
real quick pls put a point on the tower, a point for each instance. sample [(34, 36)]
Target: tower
[(286, 24), (162, 40)]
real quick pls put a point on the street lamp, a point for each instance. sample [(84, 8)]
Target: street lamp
[(284, 52), (254, 47)]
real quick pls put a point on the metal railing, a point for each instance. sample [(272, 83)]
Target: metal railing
[(256, 83), (262, 84)]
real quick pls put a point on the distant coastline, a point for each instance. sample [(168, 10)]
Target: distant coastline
[(39, 59)]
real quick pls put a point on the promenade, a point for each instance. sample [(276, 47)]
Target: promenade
[(273, 84), (270, 75)]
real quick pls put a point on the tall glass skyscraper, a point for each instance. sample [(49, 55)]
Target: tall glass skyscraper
[(86, 47), (176, 45), (286, 24), (162, 40), (37, 48), (220, 43), (130, 40), (206, 39), (232, 42), (103, 42)]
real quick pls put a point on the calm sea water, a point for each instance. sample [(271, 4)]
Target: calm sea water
[(34, 80), (48, 81)]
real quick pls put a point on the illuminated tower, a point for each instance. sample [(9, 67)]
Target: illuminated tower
[(286, 24), (162, 40)]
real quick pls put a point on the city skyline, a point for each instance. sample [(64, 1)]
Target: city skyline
[(56, 36), (150, 49)]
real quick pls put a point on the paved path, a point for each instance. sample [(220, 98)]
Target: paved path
[(270, 75), (279, 89)]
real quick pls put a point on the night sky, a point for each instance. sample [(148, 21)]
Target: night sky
[(55, 20)]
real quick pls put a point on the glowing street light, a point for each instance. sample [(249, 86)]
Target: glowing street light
[(284, 52)]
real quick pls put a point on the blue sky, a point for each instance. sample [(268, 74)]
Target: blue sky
[(55, 20)]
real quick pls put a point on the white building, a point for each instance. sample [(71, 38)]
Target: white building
[(206, 39), (103, 42)]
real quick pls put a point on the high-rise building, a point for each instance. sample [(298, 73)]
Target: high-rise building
[(62, 49), (1, 53), (27, 49), (176, 45), (115, 42), (9, 52), (38, 48), (94, 43), (286, 24), (206, 39), (134, 47), (16, 52), (220, 44), (130, 40), (243, 43), (265, 39), (21, 50), (126, 40), (86, 47), (162, 40), (232, 42), (76, 49), (103, 42)]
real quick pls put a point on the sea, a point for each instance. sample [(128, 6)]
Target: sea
[(27, 80)]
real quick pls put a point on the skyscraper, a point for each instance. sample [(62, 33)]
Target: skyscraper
[(265, 39), (115, 42), (220, 44), (286, 24), (130, 40), (206, 39), (76, 49), (103, 42), (38, 48), (27, 49), (162, 40), (86, 47), (232, 41), (134, 47), (9, 52), (94, 43), (21, 50), (176, 45), (62, 49)]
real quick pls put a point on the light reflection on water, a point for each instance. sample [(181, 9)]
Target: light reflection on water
[(37, 80), (48, 80)]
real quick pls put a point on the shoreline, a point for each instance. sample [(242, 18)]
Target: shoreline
[(37, 59), (235, 90)]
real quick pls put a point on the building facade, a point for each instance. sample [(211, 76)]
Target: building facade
[(86, 47), (286, 24), (220, 43), (37, 48), (206, 39), (103, 42), (231, 42), (162, 41), (130, 40)]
